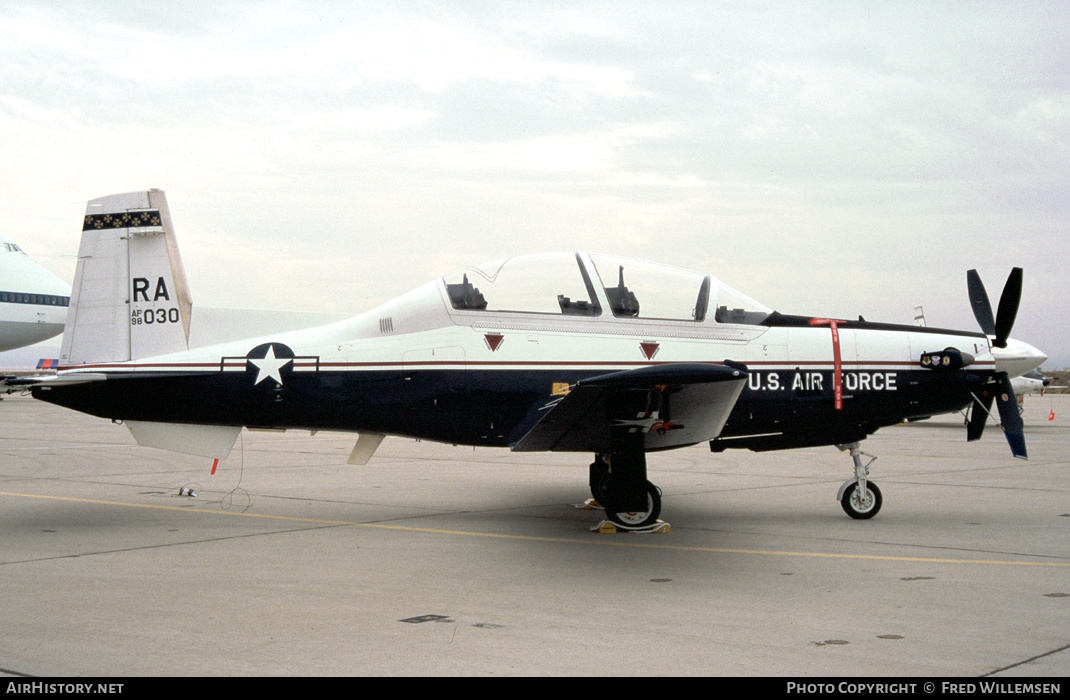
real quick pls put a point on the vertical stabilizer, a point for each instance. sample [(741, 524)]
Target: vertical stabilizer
[(130, 298)]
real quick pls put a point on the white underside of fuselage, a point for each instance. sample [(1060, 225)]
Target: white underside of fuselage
[(17, 333)]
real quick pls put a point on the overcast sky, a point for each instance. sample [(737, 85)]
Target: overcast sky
[(833, 159)]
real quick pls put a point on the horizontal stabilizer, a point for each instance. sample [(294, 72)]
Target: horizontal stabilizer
[(666, 405), (213, 441), (48, 380)]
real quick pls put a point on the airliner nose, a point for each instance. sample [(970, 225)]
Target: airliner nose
[(1017, 358)]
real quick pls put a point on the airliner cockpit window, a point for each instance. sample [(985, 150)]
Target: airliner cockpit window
[(551, 283), (647, 290)]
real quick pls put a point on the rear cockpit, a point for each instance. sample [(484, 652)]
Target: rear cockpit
[(576, 284)]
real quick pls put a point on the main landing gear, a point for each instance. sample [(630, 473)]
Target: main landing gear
[(618, 482), (860, 497)]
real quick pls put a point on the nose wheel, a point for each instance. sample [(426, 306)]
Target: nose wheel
[(860, 497), (861, 504)]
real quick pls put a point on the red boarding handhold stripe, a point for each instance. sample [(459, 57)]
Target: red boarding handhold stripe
[(837, 360)]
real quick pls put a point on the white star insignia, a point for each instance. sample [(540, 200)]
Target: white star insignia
[(269, 366)]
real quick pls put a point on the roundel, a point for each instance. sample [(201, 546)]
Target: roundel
[(270, 361)]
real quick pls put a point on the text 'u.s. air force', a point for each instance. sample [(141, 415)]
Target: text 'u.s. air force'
[(819, 381)]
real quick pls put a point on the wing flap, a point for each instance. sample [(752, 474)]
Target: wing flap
[(667, 405)]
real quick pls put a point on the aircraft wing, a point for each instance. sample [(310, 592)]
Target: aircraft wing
[(663, 405)]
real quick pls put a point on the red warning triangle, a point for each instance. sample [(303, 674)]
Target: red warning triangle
[(649, 349), (493, 340)]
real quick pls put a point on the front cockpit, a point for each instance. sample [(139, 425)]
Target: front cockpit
[(576, 284)]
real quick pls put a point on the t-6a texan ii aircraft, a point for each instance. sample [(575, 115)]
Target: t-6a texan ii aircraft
[(568, 352)]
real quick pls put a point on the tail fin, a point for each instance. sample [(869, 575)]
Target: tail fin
[(130, 298)]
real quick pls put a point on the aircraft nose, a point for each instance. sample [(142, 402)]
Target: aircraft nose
[(1017, 358)]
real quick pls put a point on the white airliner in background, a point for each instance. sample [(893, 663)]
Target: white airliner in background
[(33, 301)]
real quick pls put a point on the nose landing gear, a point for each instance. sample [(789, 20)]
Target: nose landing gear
[(860, 497)]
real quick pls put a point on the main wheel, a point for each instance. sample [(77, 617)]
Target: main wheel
[(861, 506), (638, 518)]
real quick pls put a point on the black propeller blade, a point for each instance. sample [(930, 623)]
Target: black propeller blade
[(998, 389), (979, 413), (982, 308), (1010, 418), (1000, 326), (1008, 307)]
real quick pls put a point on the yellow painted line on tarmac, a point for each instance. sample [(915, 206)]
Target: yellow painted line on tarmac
[(596, 539), (180, 509)]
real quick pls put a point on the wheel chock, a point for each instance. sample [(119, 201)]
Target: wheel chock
[(589, 504), (605, 528), (608, 527)]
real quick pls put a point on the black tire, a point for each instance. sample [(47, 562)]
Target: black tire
[(862, 509), (641, 518), (599, 481)]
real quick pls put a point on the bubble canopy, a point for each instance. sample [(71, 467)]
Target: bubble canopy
[(575, 284)]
